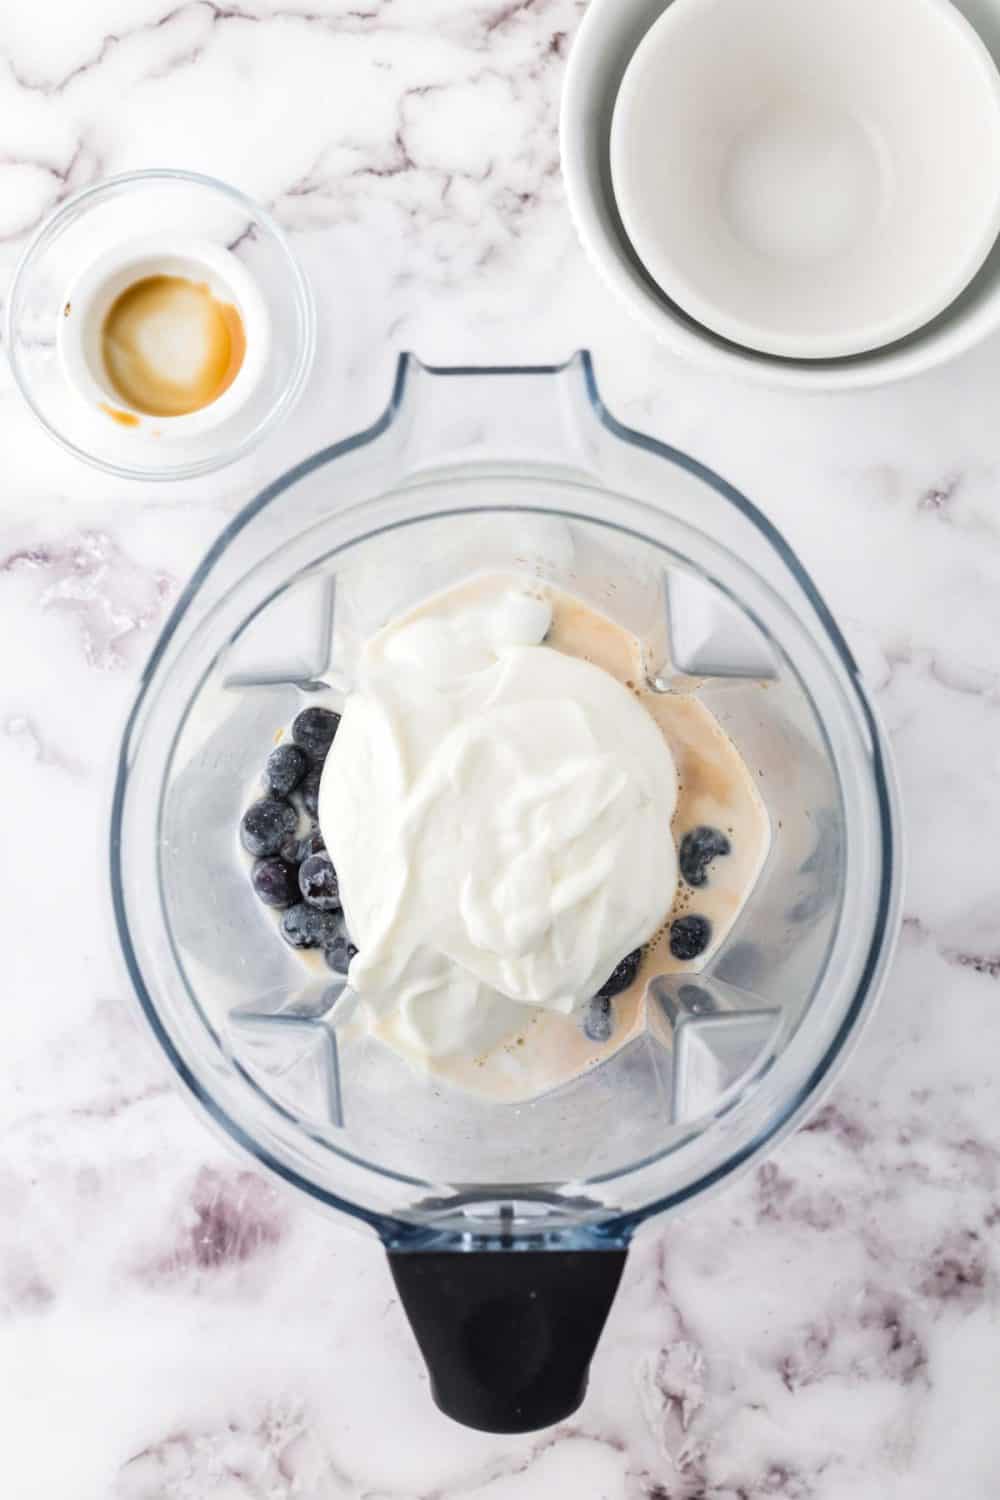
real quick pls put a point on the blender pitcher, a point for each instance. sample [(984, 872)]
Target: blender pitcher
[(506, 1224)]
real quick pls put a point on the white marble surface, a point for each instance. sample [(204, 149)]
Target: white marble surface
[(172, 1325)]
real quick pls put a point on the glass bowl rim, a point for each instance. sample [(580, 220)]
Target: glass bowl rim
[(110, 187)]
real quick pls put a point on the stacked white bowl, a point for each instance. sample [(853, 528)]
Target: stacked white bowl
[(808, 194)]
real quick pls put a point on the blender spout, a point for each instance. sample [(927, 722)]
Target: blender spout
[(499, 416), (508, 1335)]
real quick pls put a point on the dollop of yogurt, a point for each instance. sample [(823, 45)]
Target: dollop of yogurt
[(499, 816)]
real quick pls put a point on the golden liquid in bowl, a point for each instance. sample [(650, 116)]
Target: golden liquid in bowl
[(170, 347)]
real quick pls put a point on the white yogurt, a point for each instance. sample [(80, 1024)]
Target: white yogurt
[(499, 816)]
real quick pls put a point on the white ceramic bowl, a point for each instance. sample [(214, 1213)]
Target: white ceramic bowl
[(810, 180), (89, 299), (609, 37)]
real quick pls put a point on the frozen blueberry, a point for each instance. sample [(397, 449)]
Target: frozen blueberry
[(296, 849), (698, 849), (310, 791), (318, 882), (313, 730), (314, 843), (621, 976), (686, 1000), (599, 1019), (289, 849), (265, 824), (275, 882), (307, 927), (340, 953), (696, 1001), (689, 936), (285, 768)]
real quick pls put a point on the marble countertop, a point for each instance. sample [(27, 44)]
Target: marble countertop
[(174, 1326)]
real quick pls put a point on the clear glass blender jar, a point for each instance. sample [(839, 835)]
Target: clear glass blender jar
[(506, 1225)]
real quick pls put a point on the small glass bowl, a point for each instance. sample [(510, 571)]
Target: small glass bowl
[(142, 206)]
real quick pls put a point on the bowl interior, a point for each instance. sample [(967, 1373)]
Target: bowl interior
[(80, 333), (605, 46), (786, 182)]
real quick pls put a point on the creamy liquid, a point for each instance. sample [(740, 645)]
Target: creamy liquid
[(545, 1048), (170, 347)]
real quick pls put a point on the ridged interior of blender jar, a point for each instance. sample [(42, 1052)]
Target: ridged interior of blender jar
[(707, 1039)]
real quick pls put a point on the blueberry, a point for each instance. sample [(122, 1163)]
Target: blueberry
[(265, 824), (306, 927), (295, 850), (312, 844), (599, 1019), (310, 791), (318, 882), (275, 882), (340, 953), (289, 849), (688, 1000), (285, 768), (696, 1001), (313, 730), (621, 976), (698, 849), (690, 936)]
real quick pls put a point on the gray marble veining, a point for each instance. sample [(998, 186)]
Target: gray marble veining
[(174, 1326)]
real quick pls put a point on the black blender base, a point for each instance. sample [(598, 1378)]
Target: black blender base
[(507, 1335)]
